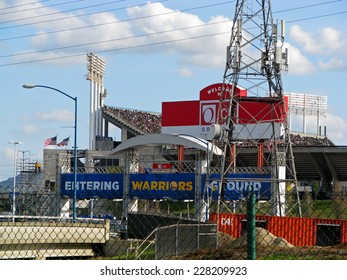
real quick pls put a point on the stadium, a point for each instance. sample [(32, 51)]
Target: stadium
[(163, 173), (222, 174)]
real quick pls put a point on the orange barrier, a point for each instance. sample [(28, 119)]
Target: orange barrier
[(297, 231)]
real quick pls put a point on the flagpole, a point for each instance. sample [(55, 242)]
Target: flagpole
[(74, 214)]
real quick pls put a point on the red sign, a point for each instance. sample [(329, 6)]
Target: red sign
[(181, 113), (213, 92), (196, 117), (265, 109), (162, 166)]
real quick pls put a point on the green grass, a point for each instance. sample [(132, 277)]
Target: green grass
[(324, 209)]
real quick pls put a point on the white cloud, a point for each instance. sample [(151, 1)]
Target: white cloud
[(326, 48), (298, 62), (70, 36), (8, 154), (207, 49), (331, 40), (50, 57), (160, 28), (155, 17), (97, 32), (303, 38), (327, 41), (60, 115), (336, 127), (30, 129), (333, 64), (185, 72)]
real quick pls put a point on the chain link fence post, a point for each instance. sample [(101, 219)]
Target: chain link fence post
[(251, 234)]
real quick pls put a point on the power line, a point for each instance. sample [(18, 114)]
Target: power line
[(315, 17), (22, 5), (112, 2), (115, 22), (117, 9), (117, 49), (66, 11), (37, 8), (116, 39), (143, 35), (118, 21), (72, 16), (307, 6)]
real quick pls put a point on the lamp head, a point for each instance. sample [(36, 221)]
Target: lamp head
[(16, 142), (28, 86)]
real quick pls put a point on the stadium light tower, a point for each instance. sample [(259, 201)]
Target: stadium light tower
[(96, 73), (255, 61), (30, 86), (14, 143)]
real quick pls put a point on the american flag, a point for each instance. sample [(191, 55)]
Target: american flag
[(65, 142), (51, 141)]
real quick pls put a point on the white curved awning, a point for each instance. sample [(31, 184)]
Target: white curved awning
[(167, 139)]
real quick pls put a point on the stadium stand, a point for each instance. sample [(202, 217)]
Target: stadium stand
[(304, 141), (150, 123), (147, 122)]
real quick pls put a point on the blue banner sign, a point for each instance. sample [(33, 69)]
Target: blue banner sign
[(237, 186), (92, 185), (180, 186), (158, 186)]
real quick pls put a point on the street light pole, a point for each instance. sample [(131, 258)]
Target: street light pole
[(29, 86), (14, 143)]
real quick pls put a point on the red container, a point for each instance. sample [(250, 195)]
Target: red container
[(297, 231)]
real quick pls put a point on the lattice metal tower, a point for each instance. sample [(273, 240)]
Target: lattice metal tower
[(256, 106)]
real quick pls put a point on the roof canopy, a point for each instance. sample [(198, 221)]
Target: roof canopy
[(167, 139)]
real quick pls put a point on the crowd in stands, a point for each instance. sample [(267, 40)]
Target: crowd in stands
[(150, 123), (296, 139), (299, 140)]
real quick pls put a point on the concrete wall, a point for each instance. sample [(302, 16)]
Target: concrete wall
[(51, 239)]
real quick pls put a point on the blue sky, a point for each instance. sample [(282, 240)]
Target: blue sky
[(46, 42)]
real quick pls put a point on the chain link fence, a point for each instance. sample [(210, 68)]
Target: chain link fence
[(147, 210)]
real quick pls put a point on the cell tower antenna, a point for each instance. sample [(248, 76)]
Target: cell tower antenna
[(257, 119)]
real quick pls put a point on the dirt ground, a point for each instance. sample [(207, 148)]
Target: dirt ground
[(269, 247)]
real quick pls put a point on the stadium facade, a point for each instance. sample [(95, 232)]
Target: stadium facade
[(150, 152)]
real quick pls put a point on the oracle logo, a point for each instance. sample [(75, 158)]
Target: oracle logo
[(209, 113), (224, 114)]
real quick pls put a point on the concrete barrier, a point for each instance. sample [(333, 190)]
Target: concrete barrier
[(40, 240)]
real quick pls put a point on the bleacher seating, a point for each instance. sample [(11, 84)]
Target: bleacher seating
[(150, 123)]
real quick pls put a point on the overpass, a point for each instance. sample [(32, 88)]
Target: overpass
[(29, 237)]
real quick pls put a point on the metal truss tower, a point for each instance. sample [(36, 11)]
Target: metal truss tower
[(256, 106)]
